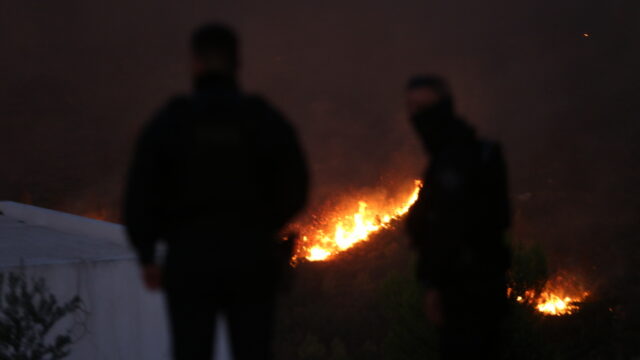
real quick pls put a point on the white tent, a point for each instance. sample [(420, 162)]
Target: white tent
[(91, 258)]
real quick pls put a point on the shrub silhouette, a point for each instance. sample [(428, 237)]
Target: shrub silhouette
[(29, 313)]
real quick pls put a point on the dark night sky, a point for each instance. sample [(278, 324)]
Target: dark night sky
[(80, 77)]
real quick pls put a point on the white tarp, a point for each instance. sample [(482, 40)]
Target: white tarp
[(90, 258)]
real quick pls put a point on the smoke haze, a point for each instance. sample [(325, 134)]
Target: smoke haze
[(81, 77)]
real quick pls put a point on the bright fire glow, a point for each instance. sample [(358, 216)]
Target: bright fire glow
[(557, 298), (351, 222)]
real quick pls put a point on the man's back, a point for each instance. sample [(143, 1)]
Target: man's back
[(218, 174)]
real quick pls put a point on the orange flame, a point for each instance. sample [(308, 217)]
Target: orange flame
[(344, 228), (557, 298)]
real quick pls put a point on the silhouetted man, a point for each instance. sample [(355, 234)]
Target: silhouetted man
[(458, 225), (216, 175)]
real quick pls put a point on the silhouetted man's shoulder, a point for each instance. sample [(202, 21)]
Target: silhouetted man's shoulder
[(471, 153), (261, 104), (273, 122), (162, 123)]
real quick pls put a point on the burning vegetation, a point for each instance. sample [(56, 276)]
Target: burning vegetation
[(351, 222), (558, 297), (355, 218)]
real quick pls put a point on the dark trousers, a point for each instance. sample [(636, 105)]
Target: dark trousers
[(474, 319), (193, 311), (471, 339)]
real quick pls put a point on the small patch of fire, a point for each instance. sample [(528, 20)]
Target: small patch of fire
[(557, 298), (346, 225)]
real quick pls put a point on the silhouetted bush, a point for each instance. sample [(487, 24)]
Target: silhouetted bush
[(28, 317)]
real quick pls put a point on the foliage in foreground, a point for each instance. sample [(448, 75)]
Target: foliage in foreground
[(29, 313)]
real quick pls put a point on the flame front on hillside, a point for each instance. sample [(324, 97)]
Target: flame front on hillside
[(352, 222), (356, 218)]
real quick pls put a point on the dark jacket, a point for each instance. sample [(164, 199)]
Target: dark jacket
[(216, 174), (458, 223)]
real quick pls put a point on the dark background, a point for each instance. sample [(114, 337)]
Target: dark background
[(80, 77)]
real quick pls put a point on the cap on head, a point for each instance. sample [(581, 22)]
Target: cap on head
[(215, 46)]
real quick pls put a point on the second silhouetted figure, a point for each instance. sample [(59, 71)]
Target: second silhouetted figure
[(216, 175), (458, 225)]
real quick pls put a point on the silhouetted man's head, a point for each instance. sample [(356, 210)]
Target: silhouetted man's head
[(430, 106), (425, 91), (214, 48)]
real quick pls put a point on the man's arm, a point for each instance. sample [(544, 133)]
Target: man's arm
[(287, 184), (436, 225), (141, 205), (498, 206), (292, 172)]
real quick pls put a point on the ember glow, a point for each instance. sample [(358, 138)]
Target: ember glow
[(352, 221), (557, 298)]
